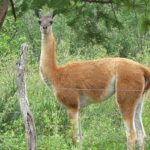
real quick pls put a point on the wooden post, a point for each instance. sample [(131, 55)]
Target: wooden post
[(23, 99)]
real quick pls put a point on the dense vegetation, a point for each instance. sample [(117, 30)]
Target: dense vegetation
[(86, 31)]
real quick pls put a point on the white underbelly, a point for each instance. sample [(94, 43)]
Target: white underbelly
[(108, 92), (85, 100)]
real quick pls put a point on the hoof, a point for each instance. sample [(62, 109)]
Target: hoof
[(77, 139)]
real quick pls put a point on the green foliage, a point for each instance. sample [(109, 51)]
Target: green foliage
[(83, 31)]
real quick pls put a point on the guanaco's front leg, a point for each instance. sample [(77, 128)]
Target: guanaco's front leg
[(75, 122)]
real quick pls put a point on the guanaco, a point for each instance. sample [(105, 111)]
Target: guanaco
[(81, 83)]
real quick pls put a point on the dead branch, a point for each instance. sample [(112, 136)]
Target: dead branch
[(13, 9), (23, 99), (99, 1)]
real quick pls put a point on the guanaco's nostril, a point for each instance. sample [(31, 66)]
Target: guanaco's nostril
[(45, 27)]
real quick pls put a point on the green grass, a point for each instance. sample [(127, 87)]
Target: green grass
[(102, 124)]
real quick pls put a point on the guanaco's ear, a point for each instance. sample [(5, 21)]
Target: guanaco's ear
[(37, 13), (54, 13), (39, 21)]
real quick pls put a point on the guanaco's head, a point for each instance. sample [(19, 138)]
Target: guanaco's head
[(46, 24)]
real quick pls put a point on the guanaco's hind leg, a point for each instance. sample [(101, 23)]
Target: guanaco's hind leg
[(128, 95), (139, 125)]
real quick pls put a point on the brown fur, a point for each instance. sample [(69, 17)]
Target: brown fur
[(92, 78)]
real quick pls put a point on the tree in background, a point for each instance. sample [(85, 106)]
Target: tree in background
[(4, 4), (97, 20)]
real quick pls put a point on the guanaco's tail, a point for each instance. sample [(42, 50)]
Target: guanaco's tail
[(147, 77)]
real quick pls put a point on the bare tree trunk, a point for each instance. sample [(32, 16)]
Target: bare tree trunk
[(4, 4), (23, 99), (3, 10)]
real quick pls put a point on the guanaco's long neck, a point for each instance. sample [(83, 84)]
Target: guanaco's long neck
[(48, 59)]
